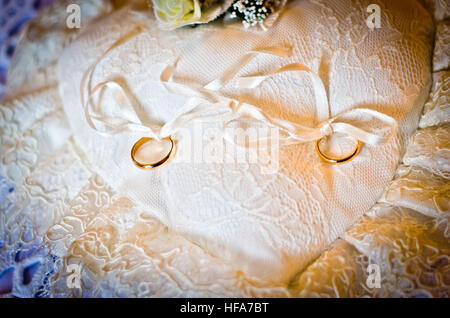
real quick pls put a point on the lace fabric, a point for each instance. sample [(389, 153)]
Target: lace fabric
[(62, 212)]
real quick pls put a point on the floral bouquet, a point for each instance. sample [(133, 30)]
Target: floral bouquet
[(172, 14)]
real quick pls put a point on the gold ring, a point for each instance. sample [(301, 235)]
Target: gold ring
[(148, 166), (338, 161)]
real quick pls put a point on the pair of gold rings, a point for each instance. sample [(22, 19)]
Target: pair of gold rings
[(149, 166)]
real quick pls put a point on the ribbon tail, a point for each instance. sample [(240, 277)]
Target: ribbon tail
[(364, 135)]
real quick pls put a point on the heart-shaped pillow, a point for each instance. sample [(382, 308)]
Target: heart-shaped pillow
[(268, 224)]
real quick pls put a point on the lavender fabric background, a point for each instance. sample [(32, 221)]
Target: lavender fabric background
[(14, 14)]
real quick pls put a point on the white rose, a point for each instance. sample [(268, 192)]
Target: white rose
[(173, 14)]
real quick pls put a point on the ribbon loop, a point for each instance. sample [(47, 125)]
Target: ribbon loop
[(217, 84)]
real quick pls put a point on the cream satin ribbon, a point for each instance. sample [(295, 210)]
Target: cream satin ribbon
[(129, 117), (218, 107)]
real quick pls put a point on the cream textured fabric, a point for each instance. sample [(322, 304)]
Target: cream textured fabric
[(62, 212), (441, 60), (439, 8), (436, 109)]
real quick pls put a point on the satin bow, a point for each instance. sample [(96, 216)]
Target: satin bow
[(297, 133)]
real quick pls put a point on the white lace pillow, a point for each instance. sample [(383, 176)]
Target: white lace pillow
[(269, 225)]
